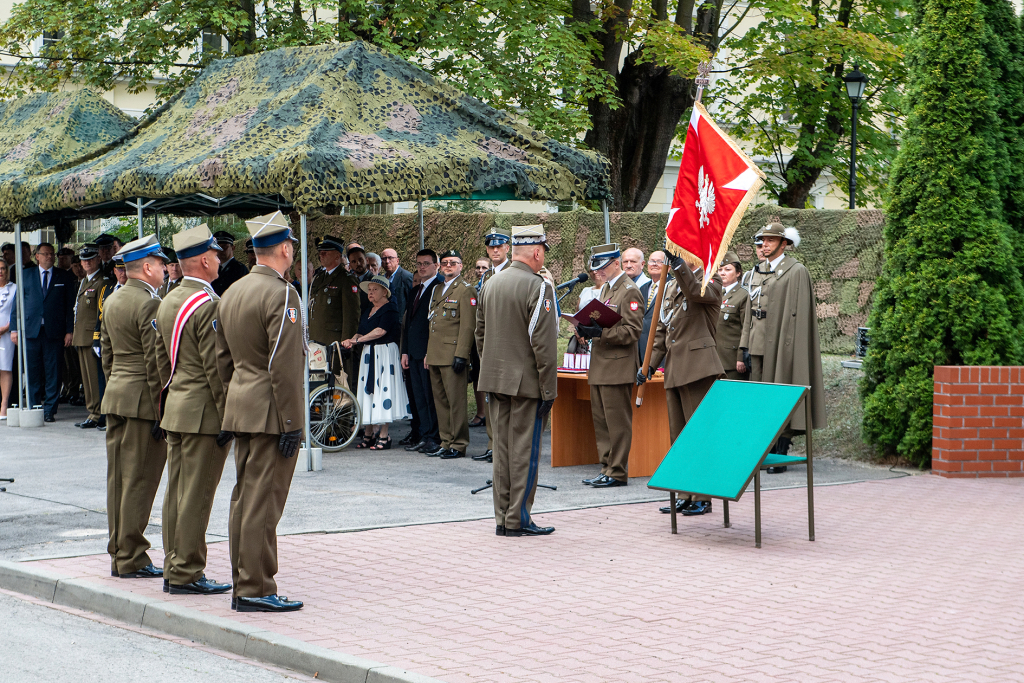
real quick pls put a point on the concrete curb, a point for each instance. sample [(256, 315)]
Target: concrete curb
[(224, 634)]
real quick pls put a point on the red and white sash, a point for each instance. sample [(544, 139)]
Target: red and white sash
[(190, 306)]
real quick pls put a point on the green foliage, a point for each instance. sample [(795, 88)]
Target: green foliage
[(787, 96), (950, 292)]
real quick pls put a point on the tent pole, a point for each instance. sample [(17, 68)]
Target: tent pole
[(138, 208), (19, 267), (607, 225), (305, 371), (419, 210), (156, 225)]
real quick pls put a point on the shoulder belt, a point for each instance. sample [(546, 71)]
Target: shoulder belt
[(190, 306)]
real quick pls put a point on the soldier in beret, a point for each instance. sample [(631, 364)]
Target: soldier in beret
[(87, 310), (136, 450), (452, 317)]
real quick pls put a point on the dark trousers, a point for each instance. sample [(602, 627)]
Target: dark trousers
[(423, 396), (45, 357), (414, 430)]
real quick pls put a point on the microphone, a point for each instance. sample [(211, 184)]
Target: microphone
[(582, 277)]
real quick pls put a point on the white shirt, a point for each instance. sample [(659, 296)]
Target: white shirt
[(729, 288), (331, 270), (497, 268), (775, 264), (444, 290), (611, 283)]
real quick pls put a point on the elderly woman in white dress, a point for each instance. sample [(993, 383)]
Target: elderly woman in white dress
[(7, 291), (380, 390)]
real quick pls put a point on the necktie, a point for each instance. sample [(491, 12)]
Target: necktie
[(416, 301), (604, 290), (46, 281), (651, 293)]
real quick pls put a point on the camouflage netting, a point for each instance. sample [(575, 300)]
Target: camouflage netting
[(42, 131), (842, 249), (317, 127)]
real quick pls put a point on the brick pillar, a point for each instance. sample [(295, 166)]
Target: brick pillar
[(978, 421)]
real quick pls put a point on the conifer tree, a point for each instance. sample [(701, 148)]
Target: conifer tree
[(950, 292)]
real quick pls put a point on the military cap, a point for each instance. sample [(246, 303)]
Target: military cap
[(731, 257), (224, 236), (772, 230), (104, 240), (497, 237), (6, 246), (529, 235), (140, 249), (195, 241), (88, 251), (451, 253), (65, 251), (793, 236), (269, 230), (330, 243), (248, 245), (376, 280), (118, 261), (602, 255)]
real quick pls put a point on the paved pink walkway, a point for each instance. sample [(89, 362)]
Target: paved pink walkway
[(914, 579)]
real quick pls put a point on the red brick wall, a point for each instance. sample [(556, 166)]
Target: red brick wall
[(978, 421)]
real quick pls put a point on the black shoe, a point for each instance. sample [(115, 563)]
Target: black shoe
[(478, 422), (49, 418), (532, 529), (101, 428), (412, 446), (102, 422), (608, 483), (147, 572), (778, 470), (592, 480), (488, 456), (499, 530), (700, 507), (410, 441), (113, 572), (268, 603), (681, 505), (428, 447), (452, 454), (167, 586), (234, 603), (201, 586), (88, 424), (440, 450)]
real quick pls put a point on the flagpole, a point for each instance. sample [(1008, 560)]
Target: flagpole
[(702, 81)]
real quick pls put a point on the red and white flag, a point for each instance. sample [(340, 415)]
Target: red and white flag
[(716, 183)]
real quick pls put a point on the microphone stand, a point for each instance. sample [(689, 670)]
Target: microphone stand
[(568, 291)]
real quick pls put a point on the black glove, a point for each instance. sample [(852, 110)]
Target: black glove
[(224, 438), (675, 262), (746, 358), (641, 377), (544, 408), (590, 331), (458, 365), (156, 432), (289, 443)]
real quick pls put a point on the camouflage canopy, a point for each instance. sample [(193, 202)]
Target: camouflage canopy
[(313, 127), (42, 131)]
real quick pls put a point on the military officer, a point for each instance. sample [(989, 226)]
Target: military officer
[(231, 271), (105, 247), (334, 304), (86, 316), (136, 450), (517, 334), (261, 356), (173, 276), (497, 244), (613, 365), (684, 344), (192, 413), (452, 318), (733, 331), (752, 281)]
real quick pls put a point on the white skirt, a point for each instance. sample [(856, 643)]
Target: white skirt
[(389, 401)]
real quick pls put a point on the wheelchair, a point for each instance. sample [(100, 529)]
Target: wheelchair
[(334, 416)]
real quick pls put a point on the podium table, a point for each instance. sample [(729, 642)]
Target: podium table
[(572, 426)]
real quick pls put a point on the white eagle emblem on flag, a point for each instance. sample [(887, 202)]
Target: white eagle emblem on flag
[(705, 197)]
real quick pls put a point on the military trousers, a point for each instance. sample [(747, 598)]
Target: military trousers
[(756, 368), (516, 461), (452, 404), (611, 406), (195, 464), (135, 463), (682, 402), (262, 480), (90, 381)]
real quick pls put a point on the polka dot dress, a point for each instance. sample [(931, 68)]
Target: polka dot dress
[(389, 401)]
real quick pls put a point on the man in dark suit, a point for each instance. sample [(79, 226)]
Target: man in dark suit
[(399, 277), (357, 266), (49, 322), (415, 335), (230, 270), (649, 291)]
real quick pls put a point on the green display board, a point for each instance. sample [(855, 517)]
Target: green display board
[(718, 451)]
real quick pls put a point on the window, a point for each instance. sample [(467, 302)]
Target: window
[(49, 41), (212, 41), (368, 210)]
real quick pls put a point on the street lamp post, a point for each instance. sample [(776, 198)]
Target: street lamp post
[(856, 83)]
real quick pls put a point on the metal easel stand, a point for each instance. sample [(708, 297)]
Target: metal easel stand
[(490, 484)]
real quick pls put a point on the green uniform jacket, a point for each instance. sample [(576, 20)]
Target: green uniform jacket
[(452, 323), (733, 330), (751, 282), (128, 338), (168, 287), (195, 399), (333, 306), (685, 339), (613, 356), (514, 362), (261, 354), (792, 354), (87, 308)]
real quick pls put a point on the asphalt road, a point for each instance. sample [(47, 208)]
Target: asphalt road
[(56, 507), (44, 644)]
